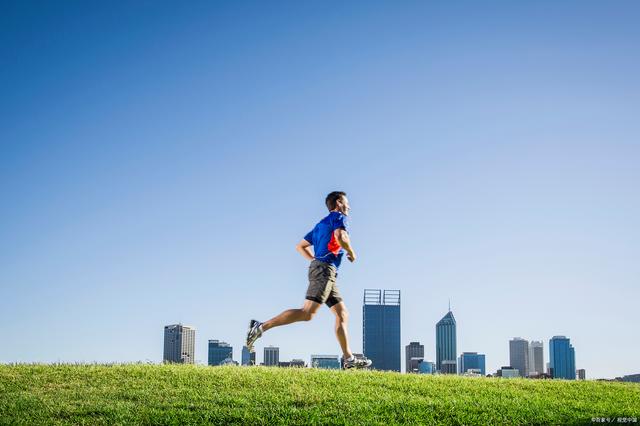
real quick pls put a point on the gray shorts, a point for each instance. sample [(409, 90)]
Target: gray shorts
[(322, 283)]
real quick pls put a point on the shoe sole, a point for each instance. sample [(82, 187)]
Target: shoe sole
[(250, 347), (358, 367)]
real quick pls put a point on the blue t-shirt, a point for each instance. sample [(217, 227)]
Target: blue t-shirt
[(325, 245)]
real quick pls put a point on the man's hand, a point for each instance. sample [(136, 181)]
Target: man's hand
[(345, 242)]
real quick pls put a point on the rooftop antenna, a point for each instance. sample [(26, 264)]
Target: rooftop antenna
[(449, 304)]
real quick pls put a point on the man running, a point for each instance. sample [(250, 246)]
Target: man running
[(330, 240)]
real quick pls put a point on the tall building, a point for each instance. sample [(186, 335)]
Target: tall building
[(179, 344), (581, 373), (331, 362), (412, 350), (218, 352), (248, 357), (562, 358), (446, 343), (381, 328), (271, 356), (536, 358), (519, 355), (471, 361)]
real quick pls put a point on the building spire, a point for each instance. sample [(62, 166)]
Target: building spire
[(449, 304)]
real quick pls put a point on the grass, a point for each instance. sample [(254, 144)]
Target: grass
[(184, 394)]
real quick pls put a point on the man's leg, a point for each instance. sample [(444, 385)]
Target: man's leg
[(342, 317), (306, 313)]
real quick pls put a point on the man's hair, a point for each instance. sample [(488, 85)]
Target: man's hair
[(332, 199)]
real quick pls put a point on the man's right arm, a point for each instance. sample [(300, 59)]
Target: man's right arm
[(304, 248), (345, 242)]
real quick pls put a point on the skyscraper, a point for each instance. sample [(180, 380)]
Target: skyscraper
[(536, 358), (271, 356), (519, 355), (562, 358), (179, 344), (472, 361), (446, 342), (248, 357), (381, 328), (412, 350), (218, 352)]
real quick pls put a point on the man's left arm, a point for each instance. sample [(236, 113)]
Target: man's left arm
[(345, 242)]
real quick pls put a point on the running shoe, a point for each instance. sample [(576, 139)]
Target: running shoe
[(357, 362), (255, 332)]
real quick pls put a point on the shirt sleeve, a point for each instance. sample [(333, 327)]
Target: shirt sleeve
[(341, 222), (309, 237)]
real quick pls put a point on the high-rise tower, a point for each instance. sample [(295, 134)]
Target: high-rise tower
[(381, 328), (179, 344), (536, 358), (446, 342), (562, 358)]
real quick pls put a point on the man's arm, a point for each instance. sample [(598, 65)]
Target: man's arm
[(304, 248), (345, 242)]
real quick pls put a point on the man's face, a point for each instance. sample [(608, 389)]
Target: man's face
[(343, 205)]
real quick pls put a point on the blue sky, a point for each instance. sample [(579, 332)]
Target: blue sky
[(159, 161)]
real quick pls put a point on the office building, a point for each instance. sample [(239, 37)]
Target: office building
[(331, 362), (179, 344), (536, 358), (446, 342), (271, 356), (448, 367), (472, 361), (562, 358), (427, 367), (219, 352), (413, 364), (248, 357), (508, 372), (298, 363), (412, 350), (581, 373), (381, 328), (631, 378), (519, 355)]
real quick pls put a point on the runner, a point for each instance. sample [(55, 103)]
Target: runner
[(330, 240)]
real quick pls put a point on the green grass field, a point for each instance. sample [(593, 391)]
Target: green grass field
[(183, 394)]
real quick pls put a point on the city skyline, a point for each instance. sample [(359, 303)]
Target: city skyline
[(159, 162), (383, 330)]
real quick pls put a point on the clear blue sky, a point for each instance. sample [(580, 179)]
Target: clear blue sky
[(159, 161)]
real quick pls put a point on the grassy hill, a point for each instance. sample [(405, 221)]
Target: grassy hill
[(182, 394)]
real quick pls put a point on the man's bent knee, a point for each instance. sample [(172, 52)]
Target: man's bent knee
[(308, 315), (309, 309)]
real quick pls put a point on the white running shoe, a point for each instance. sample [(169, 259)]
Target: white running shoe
[(254, 333), (357, 362)]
